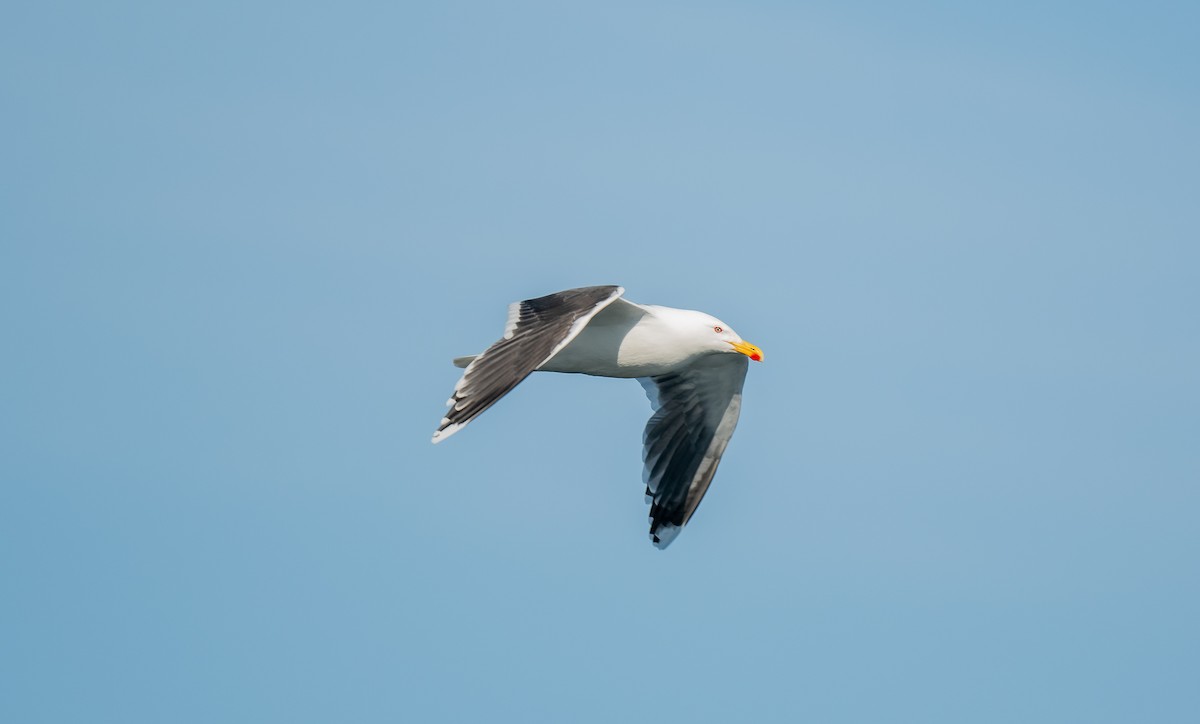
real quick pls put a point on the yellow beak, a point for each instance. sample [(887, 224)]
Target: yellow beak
[(749, 350)]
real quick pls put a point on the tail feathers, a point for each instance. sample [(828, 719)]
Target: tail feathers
[(464, 361)]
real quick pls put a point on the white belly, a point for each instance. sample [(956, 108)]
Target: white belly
[(619, 348)]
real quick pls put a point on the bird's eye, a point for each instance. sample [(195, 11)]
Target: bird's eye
[(718, 330)]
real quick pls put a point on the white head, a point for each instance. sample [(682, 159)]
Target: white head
[(717, 336)]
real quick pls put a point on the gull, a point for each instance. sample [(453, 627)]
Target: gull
[(691, 364)]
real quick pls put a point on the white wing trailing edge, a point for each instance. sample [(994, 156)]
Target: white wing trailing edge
[(695, 412), (536, 330)]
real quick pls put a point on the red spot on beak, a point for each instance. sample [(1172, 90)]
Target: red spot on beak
[(756, 357)]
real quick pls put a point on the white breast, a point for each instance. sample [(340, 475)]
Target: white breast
[(625, 345)]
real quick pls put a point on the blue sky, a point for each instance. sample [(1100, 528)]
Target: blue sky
[(241, 243)]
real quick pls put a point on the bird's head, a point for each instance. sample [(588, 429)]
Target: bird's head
[(722, 338)]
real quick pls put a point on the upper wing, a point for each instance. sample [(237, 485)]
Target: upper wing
[(695, 412), (537, 329)]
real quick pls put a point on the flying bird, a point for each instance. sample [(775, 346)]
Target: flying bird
[(692, 366)]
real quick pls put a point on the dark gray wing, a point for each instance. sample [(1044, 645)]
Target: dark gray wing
[(695, 412), (537, 329)]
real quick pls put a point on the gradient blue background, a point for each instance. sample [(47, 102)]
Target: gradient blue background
[(241, 242)]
